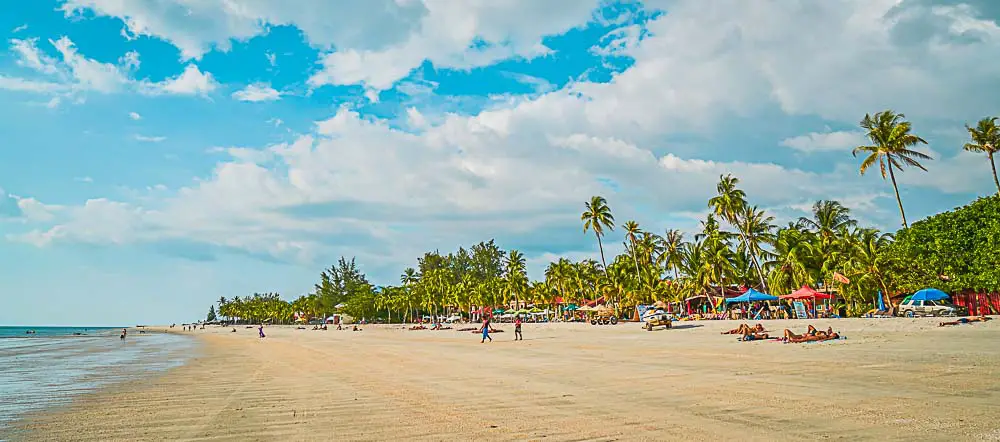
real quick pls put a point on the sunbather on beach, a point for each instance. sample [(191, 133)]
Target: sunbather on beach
[(965, 320), (744, 329), (819, 336), (755, 336)]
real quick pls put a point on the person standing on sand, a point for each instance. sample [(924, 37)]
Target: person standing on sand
[(486, 330), (260, 329), (517, 329)]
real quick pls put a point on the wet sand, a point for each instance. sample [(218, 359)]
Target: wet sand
[(891, 379)]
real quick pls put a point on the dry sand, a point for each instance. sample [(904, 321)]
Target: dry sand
[(892, 379)]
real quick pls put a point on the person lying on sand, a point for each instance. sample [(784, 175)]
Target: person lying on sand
[(754, 337), (817, 337), (418, 327), (966, 320), (744, 329)]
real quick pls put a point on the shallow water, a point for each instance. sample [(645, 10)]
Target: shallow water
[(52, 366)]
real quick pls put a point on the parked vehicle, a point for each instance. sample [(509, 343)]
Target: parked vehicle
[(911, 308), (604, 317), (656, 318)]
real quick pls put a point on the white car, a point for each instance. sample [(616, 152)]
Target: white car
[(911, 308)]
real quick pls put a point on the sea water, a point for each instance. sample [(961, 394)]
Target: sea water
[(52, 365)]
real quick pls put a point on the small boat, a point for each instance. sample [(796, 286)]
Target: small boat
[(29, 332)]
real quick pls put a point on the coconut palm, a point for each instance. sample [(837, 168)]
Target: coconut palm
[(673, 240), (891, 141), (986, 139), (755, 224), (597, 217), (631, 232), (730, 204)]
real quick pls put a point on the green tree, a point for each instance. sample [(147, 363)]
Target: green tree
[(597, 217), (211, 314), (891, 140), (986, 139)]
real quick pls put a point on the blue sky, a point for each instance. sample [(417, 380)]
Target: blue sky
[(160, 154)]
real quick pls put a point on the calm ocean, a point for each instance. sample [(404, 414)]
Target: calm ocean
[(52, 365)]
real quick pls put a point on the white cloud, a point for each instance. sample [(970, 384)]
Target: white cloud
[(842, 141), (257, 92), (84, 179), (378, 41), (704, 66), (23, 27), (147, 139), (23, 85), (190, 82), (134, 116), (31, 57), (73, 74), (33, 210), (272, 58)]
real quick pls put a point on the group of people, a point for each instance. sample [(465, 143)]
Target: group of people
[(758, 333), (748, 333), (811, 335), (487, 328)]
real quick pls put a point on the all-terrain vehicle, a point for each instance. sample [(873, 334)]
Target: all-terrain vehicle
[(656, 319)]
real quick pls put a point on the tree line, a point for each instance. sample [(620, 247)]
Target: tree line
[(738, 244)]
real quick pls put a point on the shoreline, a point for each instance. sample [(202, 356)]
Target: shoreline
[(45, 374), (891, 379)]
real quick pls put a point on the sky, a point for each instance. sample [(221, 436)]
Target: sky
[(159, 154)]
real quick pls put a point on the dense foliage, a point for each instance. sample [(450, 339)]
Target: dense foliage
[(953, 251)]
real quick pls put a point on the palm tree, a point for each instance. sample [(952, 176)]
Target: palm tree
[(516, 278), (631, 231), (757, 230), (730, 204), (986, 139), (673, 240), (891, 141), (597, 216)]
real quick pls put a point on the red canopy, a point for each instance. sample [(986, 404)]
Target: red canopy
[(807, 292)]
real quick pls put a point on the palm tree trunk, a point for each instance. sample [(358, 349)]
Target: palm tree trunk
[(995, 180), (601, 247), (899, 201)]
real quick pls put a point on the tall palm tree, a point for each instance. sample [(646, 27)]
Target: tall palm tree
[(597, 217), (730, 204), (631, 231), (986, 139), (757, 231), (516, 277), (673, 240), (891, 141)]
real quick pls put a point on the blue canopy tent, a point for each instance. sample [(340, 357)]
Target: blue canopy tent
[(929, 294), (752, 296)]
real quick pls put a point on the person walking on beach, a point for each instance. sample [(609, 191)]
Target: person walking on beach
[(260, 330), (517, 329), (486, 330)]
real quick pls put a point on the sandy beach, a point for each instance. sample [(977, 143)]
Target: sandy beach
[(891, 379)]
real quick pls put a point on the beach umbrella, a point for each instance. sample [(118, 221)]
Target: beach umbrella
[(571, 307), (929, 294), (752, 295), (535, 310)]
